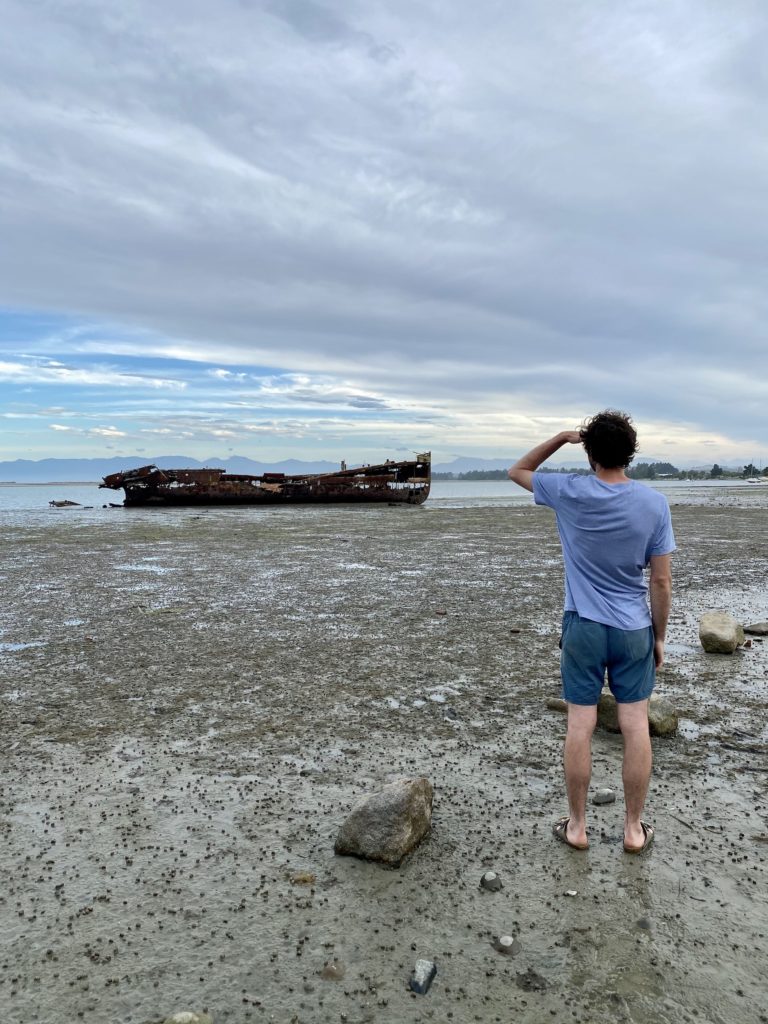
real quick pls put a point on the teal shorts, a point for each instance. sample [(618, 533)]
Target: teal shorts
[(590, 649)]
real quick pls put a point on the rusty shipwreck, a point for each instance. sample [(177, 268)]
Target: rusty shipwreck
[(390, 482)]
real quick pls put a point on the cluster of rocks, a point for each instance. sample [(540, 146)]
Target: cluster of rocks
[(662, 716), (386, 826), (720, 633)]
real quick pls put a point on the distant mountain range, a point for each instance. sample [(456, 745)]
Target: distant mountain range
[(27, 471)]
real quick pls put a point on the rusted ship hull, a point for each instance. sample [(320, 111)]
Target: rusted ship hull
[(389, 482)]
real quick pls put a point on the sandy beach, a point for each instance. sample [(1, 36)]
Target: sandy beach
[(192, 700)]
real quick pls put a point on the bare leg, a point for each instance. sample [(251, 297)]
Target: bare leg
[(577, 761), (633, 722)]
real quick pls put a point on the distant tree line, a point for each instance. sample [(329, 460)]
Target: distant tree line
[(666, 471), (653, 471), (499, 474), (642, 471), (473, 474)]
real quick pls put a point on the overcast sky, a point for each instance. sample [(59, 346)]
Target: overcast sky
[(347, 229)]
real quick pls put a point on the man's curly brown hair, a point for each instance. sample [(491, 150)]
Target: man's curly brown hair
[(609, 439)]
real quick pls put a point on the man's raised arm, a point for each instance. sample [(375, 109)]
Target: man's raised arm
[(523, 470)]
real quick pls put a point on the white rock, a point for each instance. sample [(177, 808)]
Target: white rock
[(491, 882), (508, 945), (603, 796), (720, 633), (424, 972), (189, 1017)]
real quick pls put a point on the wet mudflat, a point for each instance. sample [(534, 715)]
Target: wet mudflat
[(191, 701)]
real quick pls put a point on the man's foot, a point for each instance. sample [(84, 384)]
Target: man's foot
[(638, 840), (576, 840)]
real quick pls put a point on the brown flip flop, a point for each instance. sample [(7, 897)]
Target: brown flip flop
[(560, 831), (648, 833)]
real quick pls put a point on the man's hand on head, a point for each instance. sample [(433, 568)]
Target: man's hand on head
[(523, 470)]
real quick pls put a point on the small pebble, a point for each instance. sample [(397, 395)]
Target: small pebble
[(424, 972), (603, 796), (491, 882), (571, 892), (333, 971), (188, 1017), (508, 945)]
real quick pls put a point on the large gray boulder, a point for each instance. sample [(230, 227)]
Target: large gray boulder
[(757, 629), (662, 717), (387, 825), (607, 715), (720, 633)]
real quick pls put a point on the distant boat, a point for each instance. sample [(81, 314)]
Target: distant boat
[(395, 483), (757, 480)]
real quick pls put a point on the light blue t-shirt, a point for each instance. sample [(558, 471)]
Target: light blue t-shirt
[(609, 533)]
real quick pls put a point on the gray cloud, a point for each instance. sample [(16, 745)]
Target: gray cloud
[(563, 204)]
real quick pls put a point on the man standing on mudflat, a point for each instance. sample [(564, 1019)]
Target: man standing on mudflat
[(611, 528)]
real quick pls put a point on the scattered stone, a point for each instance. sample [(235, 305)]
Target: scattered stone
[(662, 717), (491, 882), (571, 892), (508, 945), (531, 981), (189, 1017), (334, 970), (424, 972), (387, 825), (556, 704), (747, 644), (607, 714), (303, 878), (720, 633), (757, 629), (603, 796), (644, 924)]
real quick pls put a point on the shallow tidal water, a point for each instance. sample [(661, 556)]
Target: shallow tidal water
[(192, 700)]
